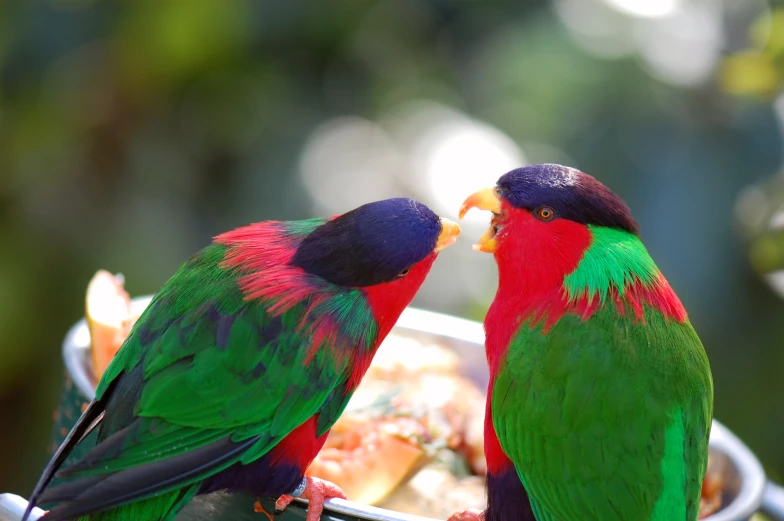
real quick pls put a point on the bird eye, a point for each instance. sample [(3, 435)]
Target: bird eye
[(545, 213), (404, 272)]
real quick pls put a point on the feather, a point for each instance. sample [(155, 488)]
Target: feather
[(591, 415), (101, 492), (91, 417)]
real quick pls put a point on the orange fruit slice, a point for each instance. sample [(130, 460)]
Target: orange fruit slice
[(108, 313)]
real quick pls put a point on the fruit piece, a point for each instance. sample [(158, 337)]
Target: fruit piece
[(436, 492), (401, 356), (474, 438), (713, 485), (390, 429), (109, 318), (367, 460)]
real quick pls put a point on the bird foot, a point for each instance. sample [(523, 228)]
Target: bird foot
[(258, 507), (316, 492), (468, 515)]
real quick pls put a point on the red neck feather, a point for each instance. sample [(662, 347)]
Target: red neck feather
[(262, 252), (389, 300), (530, 272)]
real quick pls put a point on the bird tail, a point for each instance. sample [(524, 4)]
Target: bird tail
[(157, 508)]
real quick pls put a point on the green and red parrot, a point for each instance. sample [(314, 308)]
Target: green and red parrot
[(243, 361), (600, 398)]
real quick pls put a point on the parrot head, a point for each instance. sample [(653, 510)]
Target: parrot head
[(564, 243), (547, 201), (381, 251), (385, 249), (546, 210), (545, 218), (383, 242)]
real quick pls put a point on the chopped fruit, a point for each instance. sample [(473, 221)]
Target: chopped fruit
[(369, 458), (410, 411), (712, 486), (108, 317)]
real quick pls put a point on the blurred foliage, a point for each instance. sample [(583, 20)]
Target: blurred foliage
[(132, 132), (759, 69)]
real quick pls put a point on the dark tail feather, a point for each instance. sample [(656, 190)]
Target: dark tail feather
[(98, 493), (84, 426), (68, 491), (164, 507), (105, 449)]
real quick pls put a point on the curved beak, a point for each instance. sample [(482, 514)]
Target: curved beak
[(486, 199), (449, 232)]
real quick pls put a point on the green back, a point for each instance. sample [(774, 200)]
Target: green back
[(607, 419), (209, 364)]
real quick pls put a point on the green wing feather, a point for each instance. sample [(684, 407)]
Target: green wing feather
[(607, 419), (210, 367)]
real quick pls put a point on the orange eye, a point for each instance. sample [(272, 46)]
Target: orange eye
[(545, 213)]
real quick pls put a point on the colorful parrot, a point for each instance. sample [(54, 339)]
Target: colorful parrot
[(241, 364), (600, 399)]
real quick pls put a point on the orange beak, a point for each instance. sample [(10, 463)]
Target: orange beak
[(449, 233), (486, 199)]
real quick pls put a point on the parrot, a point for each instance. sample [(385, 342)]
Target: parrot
[(242, 362), (600, 398)]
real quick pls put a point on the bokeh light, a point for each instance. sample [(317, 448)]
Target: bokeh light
[(597, 27), (683, 46), (348, 162), (645, 8), (451, 154)]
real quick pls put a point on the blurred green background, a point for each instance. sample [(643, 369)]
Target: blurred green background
[(132, 132)]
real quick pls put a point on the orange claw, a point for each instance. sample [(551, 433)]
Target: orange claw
[(316, 492), (468, 515), (258, 507)]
